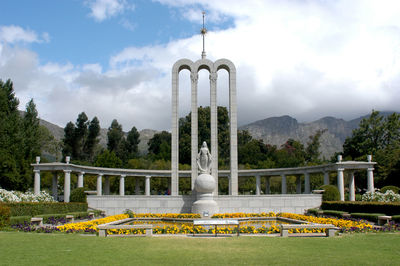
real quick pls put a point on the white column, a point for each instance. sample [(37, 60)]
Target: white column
[(137, 186), (340, 182), (233, 131), (307, 189), (99, 184), (267, 185), (107, 185), (258, 185), (36, 187), (352, 187), (80, 179), (147, 186), (67, 185), (298, 184), (122, 185), (54, 186), (326, 178), (214, 127), (194, 126), (370, 179), (175, 132), (283, 184)]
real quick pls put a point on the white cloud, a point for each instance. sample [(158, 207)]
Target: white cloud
[(104, 9), (307, 59), (13, 34)]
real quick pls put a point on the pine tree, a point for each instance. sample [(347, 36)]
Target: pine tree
[(92, 138), (114, 136), (31, 132), (80, 134)]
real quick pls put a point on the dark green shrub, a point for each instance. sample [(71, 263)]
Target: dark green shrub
[(389, 208), (20, 219), (130, 213), (396, 218), (334, 213), (367, 216), (392, 188), (38, 208), (4, 215), (331, 193), (78, 195), (313, 211), (79, 215)]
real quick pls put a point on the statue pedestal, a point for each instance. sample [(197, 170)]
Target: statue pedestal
[(205, 205)]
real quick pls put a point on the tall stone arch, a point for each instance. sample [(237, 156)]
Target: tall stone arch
[(194, 68)]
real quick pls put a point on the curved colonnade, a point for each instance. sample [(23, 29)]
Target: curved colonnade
[(340, 167)]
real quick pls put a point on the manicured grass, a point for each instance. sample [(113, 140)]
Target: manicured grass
[(72, 249)]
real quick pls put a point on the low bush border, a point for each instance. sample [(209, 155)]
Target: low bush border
[(388, 208), (40, 208)]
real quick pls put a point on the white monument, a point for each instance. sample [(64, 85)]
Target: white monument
[(204, 185), (213, 68)]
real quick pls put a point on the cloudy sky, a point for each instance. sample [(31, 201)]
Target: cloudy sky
[(113, 58)]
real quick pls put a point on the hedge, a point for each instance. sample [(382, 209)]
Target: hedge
[(38, 208), (4, 215), (313, 211), (48, 217), (388, 208), (367, 216), (334, 213), (20, 219), (396, 218)]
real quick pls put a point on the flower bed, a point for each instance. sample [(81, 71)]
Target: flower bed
[(17, 196), (90, 226), (247, 227)]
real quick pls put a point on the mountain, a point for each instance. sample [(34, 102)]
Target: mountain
[(277, 130)]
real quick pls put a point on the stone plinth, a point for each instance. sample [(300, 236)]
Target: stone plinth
[(205, 205)]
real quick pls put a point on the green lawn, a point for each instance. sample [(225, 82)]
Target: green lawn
[(73, 249)]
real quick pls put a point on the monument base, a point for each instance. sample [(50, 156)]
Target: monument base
[(205, 206)]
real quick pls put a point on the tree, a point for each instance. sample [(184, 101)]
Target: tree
[(31, 132), (80, 134), (108, 159), (114, 136), (131, 143), (312, 153), (379, 136), (18, 140), (367, 138), (291, 154), (80, 139), (160, 146), (68, 140), (92, 138)]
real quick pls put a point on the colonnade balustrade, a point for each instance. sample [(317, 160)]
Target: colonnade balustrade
[(340, 167)]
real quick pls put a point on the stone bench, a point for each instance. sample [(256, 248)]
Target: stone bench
[(37, 221), (104, 227), (384, 219), (91, 215), (69, 218), (216, 222), (330, 229)]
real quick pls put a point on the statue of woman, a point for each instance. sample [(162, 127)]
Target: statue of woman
[(204, 159)]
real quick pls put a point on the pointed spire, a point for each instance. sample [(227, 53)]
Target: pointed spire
[(203, 32)]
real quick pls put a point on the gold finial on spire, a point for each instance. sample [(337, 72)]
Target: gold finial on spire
[(203, 32)]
